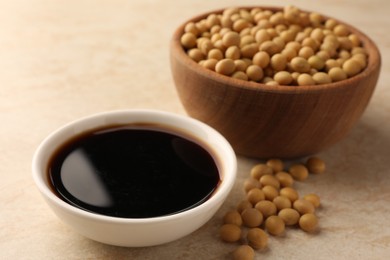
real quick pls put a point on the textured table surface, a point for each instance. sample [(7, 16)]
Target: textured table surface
[(61, 60)]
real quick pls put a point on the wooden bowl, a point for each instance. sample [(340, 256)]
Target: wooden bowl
[(273, 121)]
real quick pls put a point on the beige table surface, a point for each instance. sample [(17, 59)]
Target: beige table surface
[(61, 60)]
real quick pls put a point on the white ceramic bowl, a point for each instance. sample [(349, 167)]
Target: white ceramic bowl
[(141, 231)]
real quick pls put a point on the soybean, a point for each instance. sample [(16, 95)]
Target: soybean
[(267, 208), (254, 73), (255, 195), (299, 172), (313, 198), (233, 217), (252, 217), (305, 79), (230, 233), (260, 169), (283, 77), (274, 225), (290, 193), (257, 238), (303, 206), (315, 165), (270, 192), (284, 179), (282, 202), (225, 66), (308, 222), (269, 180), (337, 74), (243, 252), (351, 67), (188, 40), (231, 39), (276, 164), (289, 216), (321, 78)]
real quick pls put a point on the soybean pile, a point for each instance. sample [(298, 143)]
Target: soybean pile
[(287, 47), (270, 205)]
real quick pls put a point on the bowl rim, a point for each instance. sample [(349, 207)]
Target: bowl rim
[(229, 165), (374, 60)]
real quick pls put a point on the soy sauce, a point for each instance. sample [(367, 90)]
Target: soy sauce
[(133, 171)]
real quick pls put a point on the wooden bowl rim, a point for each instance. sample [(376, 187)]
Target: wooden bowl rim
[(374, 60)]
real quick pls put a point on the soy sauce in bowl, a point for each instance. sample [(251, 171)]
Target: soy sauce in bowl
[(133, 171)]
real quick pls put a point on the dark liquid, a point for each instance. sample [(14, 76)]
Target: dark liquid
[(133, 172)]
